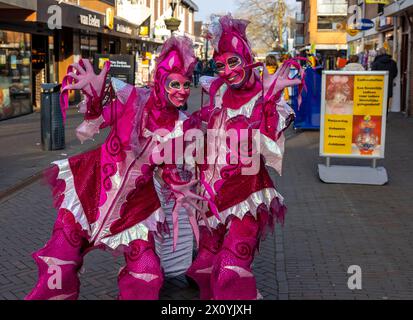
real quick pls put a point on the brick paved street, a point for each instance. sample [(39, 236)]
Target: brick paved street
[(328, 228)]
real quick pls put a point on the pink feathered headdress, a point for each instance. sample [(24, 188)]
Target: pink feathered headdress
[(177, 56), (229, 35)]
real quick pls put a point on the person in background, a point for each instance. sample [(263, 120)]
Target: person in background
[(197, 72), (341, 62), (271, 63), (353, 64), (384, 62)]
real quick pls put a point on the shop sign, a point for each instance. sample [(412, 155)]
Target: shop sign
[(377, 1), (109, 18), (123, 29), (90, 20), (352, 32), (144, 31), (362, 25), (353, 114)]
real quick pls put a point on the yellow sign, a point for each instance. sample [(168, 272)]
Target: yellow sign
[(377, 1), (144, 31), (102, 62), (368, 95), (352, 32), (337, 133), (110, 18), (353, 114)]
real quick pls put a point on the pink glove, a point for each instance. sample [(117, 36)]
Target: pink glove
[(185, 198), (81, 76), (276, 83)]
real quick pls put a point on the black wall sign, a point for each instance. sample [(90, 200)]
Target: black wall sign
[(122, 66)]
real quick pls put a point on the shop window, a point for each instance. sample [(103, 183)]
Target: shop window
[(88, 44), (380, 8), (15, 77), (329, 22)]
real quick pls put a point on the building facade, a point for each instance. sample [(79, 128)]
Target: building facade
[(318, 29), (393, 31), (402, 14), (39, 39)]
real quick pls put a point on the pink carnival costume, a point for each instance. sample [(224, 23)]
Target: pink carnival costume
[(106, 197), (245, 203)]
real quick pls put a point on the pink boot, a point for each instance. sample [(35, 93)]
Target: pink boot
[(59, 261), (142, 277), (232, 277), (201, 268)]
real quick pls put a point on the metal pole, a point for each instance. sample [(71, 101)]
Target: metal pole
[(328, 162), (206, 49), (374, 164)]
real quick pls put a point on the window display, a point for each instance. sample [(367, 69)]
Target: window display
[(15, 79)]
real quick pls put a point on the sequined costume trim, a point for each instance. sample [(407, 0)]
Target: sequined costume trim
[(139, 231), (71, 200), (250, 205)]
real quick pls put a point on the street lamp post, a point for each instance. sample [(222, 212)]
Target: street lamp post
[(172, 23), (205, 32)]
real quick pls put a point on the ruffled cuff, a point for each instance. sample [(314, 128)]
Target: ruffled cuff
[(88, 129)]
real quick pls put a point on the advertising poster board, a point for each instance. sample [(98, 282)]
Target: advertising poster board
[(122, 66), (353, 114)]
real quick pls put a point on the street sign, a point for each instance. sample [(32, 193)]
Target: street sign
[(377, 1), (362, 25)]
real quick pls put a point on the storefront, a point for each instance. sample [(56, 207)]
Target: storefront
[(32, 53), (403, 46), (15, 74), (87, 33)]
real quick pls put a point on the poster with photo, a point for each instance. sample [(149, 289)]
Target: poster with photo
[(353, 114)]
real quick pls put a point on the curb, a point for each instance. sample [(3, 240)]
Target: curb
[(9, 192)]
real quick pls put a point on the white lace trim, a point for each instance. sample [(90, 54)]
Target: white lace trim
[(251, 204), (71, 201), (178, 131), (245, 110), (140, 231)]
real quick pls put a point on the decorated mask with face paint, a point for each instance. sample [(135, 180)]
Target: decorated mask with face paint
[(232, 50), (231, 67), (177, 88), (175, 66)]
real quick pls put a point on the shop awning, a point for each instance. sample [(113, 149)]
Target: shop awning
[(19, 4), (398, 7), (77, 17)]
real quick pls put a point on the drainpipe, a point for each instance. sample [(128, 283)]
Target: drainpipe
[(409, 65)]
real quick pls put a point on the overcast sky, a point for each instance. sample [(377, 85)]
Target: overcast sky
[(207, 7)]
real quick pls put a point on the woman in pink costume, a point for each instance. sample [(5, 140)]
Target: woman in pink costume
[(106, 197), (245, 203)]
